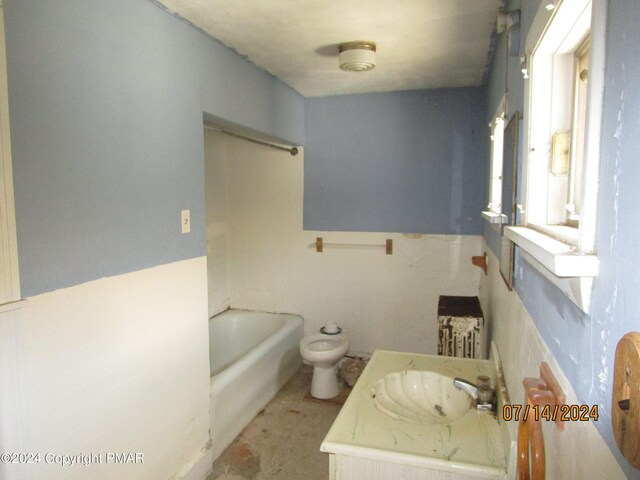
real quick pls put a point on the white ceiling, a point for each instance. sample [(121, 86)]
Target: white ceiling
[(421, 43)]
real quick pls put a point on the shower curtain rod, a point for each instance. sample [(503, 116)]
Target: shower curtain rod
[(292, 150)]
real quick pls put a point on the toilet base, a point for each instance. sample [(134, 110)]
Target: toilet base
[(325, 383)]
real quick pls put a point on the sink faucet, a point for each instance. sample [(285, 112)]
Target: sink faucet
[(470, 388), (483, 395)]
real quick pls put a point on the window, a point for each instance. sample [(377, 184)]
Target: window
[(493, 214), (568, 116), (497, 140), (557, 121), (565, 56)]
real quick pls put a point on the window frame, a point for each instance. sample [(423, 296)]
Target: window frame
[(563, 254), (493, 213), (564, 33), (580, 89)]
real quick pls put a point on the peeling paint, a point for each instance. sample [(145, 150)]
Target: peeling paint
[(603, 376), (618, 169)]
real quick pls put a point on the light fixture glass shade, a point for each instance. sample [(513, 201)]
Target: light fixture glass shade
[(357, 56)]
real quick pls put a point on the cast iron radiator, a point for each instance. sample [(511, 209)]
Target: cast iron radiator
[(460, 327)]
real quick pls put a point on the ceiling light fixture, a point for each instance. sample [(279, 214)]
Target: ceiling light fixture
[(357, 56)]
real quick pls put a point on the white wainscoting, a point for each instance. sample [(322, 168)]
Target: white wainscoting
[(119, 364), (577, 452)]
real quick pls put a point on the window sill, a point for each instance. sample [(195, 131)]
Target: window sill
[(558, 262), (493, 217), (561, 233), (558, 257)]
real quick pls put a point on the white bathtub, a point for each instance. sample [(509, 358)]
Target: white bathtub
[(252, 355)]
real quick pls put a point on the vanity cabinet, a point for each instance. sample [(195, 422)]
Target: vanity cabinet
[(365, 442)]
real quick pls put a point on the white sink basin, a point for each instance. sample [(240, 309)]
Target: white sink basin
[(420, 397)]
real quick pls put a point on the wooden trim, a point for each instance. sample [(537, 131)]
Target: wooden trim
[(9, 273)]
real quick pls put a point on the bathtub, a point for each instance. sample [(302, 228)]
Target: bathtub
[(252, 355)]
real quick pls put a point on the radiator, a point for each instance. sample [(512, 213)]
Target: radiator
[(460, 327)]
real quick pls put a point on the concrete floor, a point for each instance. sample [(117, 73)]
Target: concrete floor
[(283, 441)]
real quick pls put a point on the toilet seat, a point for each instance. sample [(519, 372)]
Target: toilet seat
[(322, 347)]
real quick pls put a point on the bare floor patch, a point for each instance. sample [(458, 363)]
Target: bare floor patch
[(283, 441), (239, 462)]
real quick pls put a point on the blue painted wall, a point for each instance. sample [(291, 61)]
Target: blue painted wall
[(409, 161), (584, 345), (106, 103)]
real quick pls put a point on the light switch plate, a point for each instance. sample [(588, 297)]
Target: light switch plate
[(186, 221)]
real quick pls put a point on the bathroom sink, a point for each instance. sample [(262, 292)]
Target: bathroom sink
[(420, 397)]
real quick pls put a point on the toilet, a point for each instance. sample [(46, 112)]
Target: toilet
[(323, 350)]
